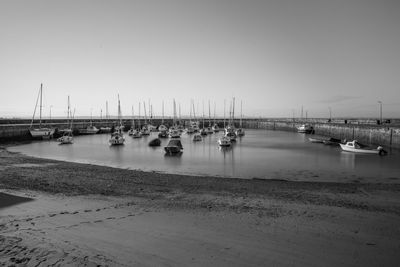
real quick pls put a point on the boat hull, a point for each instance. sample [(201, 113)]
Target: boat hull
[(42, 133), (360, 150)]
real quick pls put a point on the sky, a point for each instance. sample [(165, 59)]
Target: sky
[(275, 56)]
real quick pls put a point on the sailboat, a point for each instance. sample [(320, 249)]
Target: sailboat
[(40, 132), (68, 128), (145, 129), (230, 129), (203, 130), (117, 137), (224, 141), (162, 127), (136, 132), (215, 127), (209, 128), (130, 132), (67, 138), (240, 132), (190, 129), (173, 130)]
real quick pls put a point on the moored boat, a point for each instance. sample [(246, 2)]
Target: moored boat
[(41, 132), (155, 142), (357, 147), (305, 128), (224, 141), (117, 137), (174, 147)]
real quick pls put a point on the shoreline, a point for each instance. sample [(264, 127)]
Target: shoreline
[(129, 217)]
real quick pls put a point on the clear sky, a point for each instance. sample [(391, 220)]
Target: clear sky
[(276, 55)]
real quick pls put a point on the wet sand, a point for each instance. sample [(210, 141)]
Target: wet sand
[(92, 215)]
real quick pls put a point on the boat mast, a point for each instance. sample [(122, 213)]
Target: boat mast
[(139, 118), (241, 113), (215, 107), (174, 119), (133, 119), (224, 111), (68, 111), (162, 120), (40, 118), (233, 113), (107, 117), (34, 111), (190, 118), (203, 114), (209, 114), (119, 112), (194, 111), (145, 114)]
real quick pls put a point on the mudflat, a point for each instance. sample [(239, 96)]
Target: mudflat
[(94, 215)]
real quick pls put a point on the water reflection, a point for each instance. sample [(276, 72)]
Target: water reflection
[(260, 153), (348, 159)]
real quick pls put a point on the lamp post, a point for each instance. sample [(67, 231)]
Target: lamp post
[(50, 111), (380, 105)]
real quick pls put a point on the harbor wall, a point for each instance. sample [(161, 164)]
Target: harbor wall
[(385, 135)]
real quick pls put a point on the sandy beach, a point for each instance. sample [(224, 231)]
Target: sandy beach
[(55, 213)]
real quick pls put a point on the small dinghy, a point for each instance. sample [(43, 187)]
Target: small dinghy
[(357, 147), (316, 140), (155, 142), (332, 142), (174, 147)]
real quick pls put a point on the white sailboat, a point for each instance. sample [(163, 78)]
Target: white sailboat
[(240, 132), (209, 128), (41, 132), (136, 132), (215, 127), (67, 138), (224, 141), (117, 137), (145, 129), (162, 127), (230, 129), (68, 128)]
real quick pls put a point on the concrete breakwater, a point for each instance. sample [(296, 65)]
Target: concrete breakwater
[(385, 135)]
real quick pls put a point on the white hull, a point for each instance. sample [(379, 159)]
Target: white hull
[(359, 150), (89, 130), (224, 141), (42, 132), (117, 139)]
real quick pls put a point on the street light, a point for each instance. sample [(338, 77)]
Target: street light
[(380, 104), (50, 111)]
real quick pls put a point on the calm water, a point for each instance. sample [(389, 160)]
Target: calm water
[(261, 154)]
